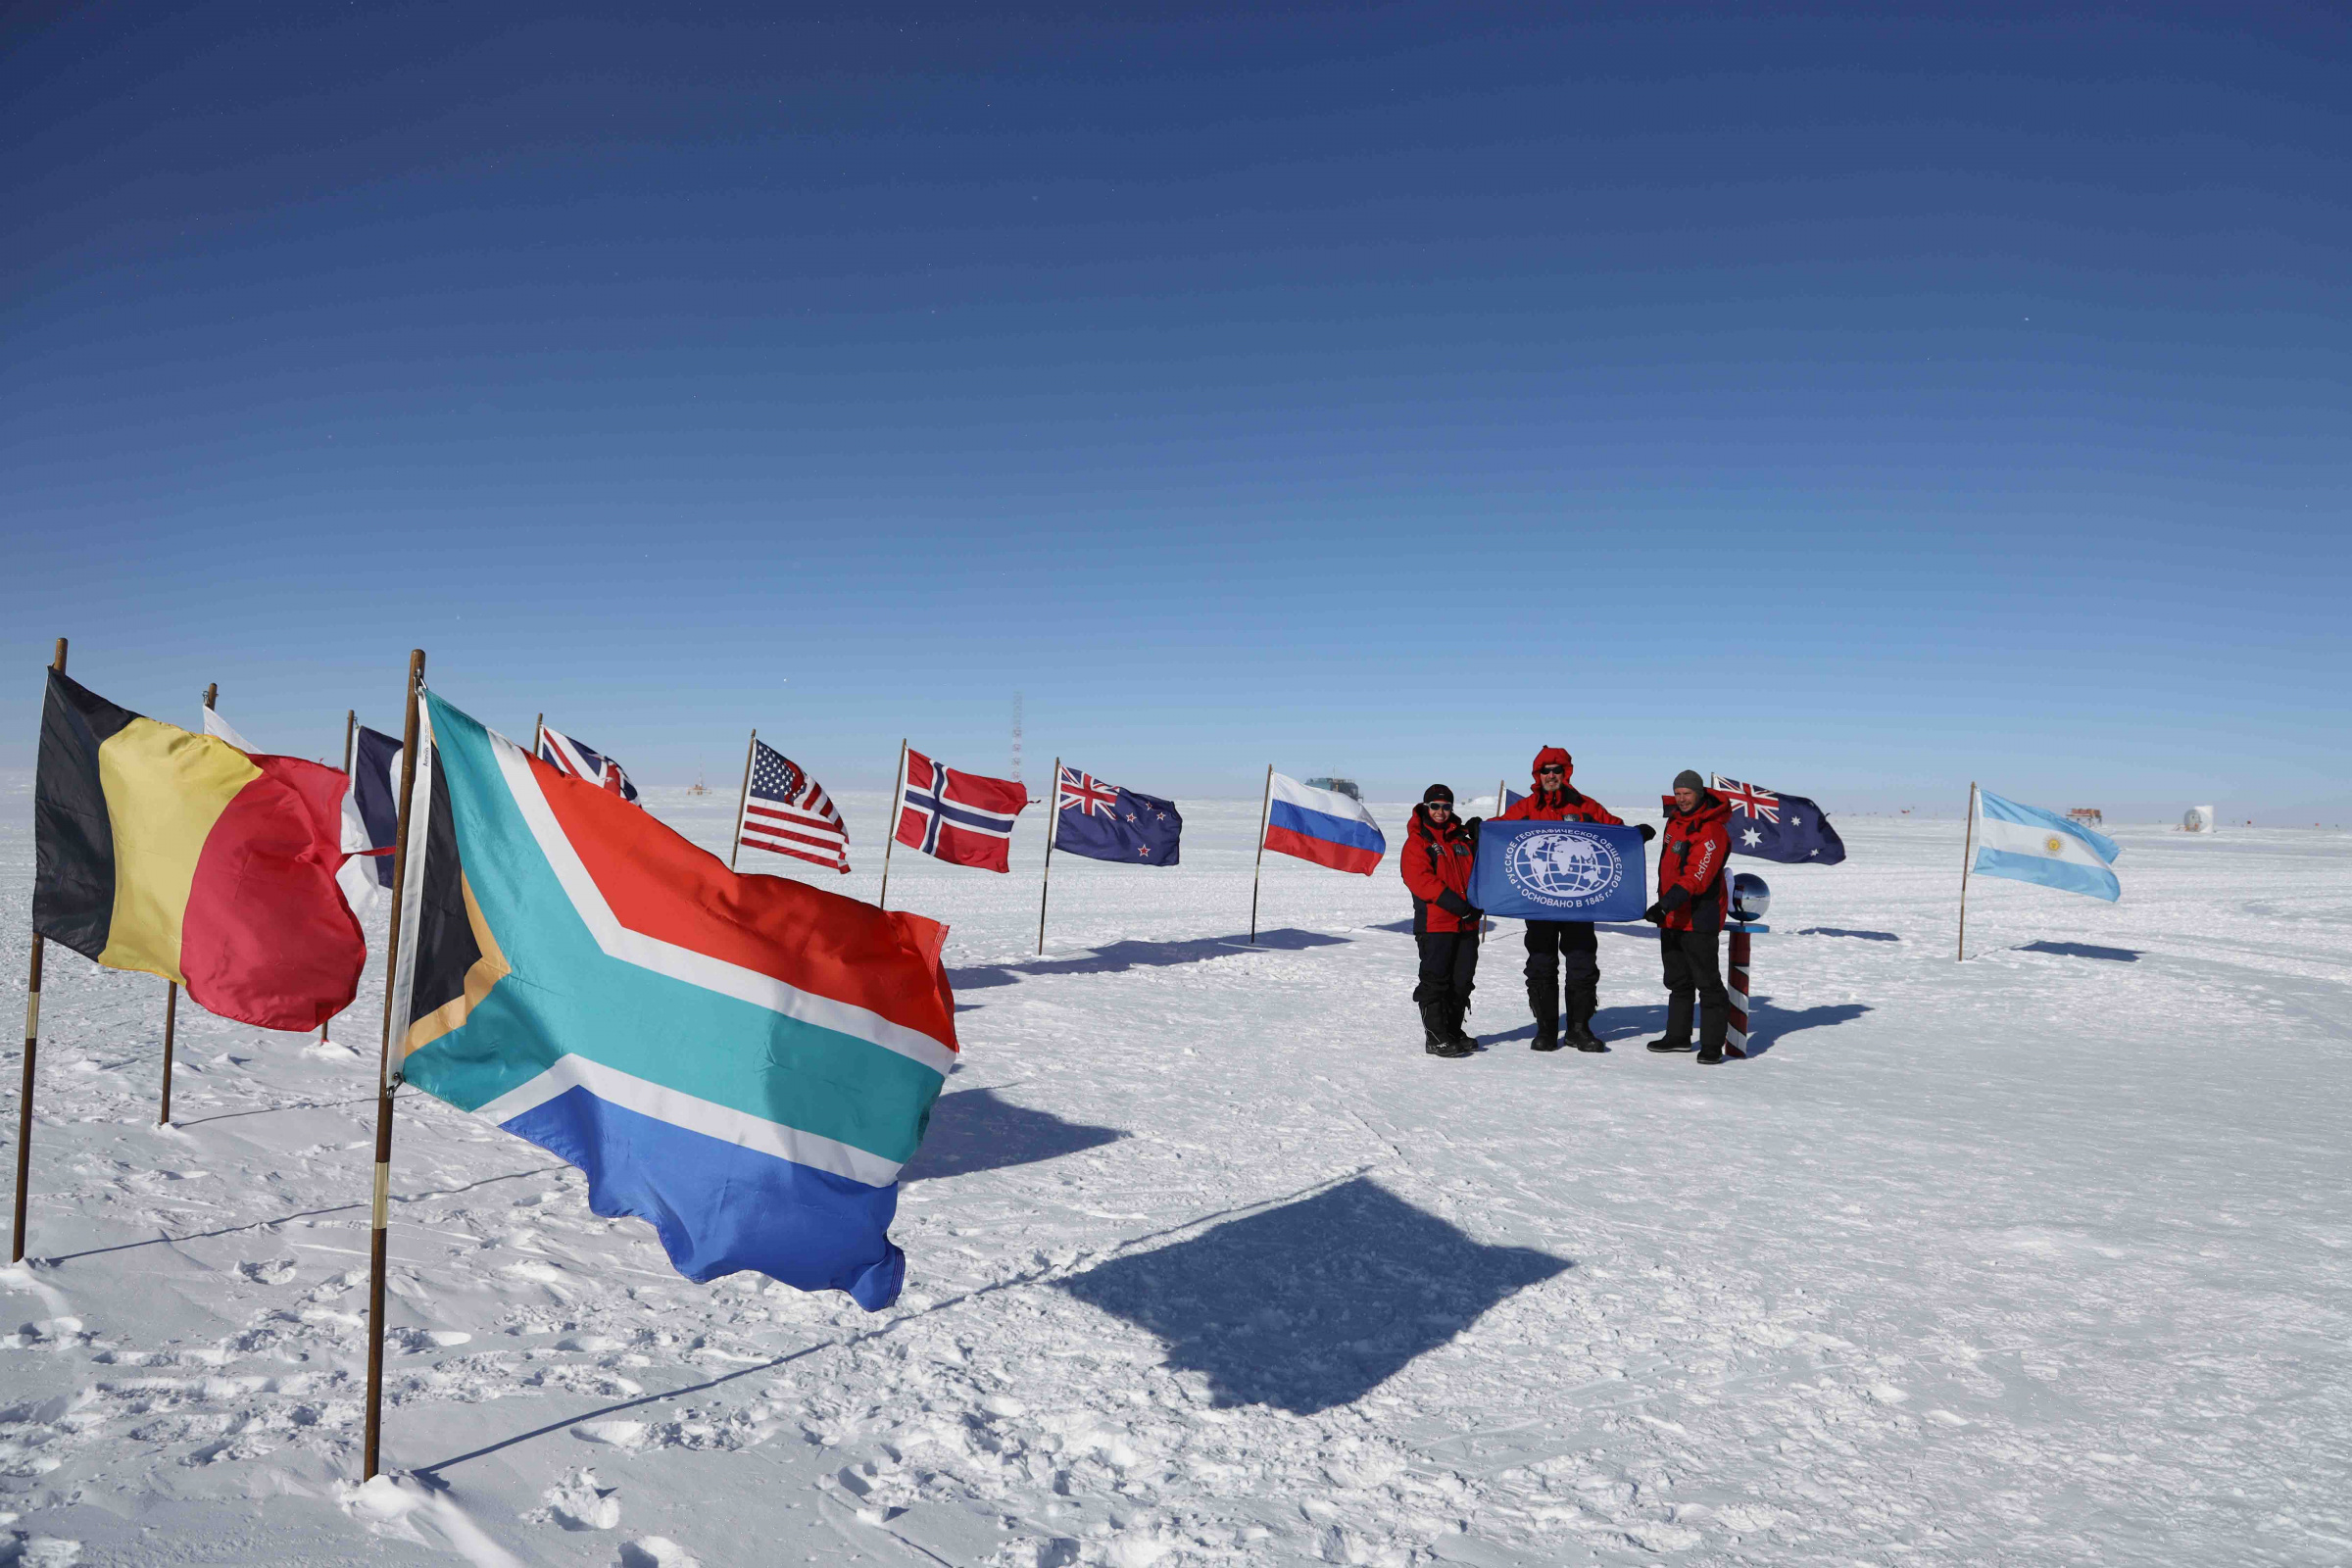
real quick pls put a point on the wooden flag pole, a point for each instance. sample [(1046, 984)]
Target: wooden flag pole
[(743, 806), (538, 732), (1046, 880), (351, 736), (33, 1041), (1968, 859), (1265, 815), (388, 1080), (891, 827), (163, 1115)]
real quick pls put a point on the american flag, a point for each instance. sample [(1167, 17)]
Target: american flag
[(787, 812)]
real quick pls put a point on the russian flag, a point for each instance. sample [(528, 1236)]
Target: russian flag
[(1323, 826)]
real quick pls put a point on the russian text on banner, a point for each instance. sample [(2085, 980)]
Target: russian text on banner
[(1106, 822), (953, 815), (1323, 826), (180, 856), (1559, 871), (1771, 826), (2033, 845), (745, 1062)]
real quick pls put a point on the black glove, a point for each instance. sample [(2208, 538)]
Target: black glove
[(1653, 914), (1472, 827), (1647, 831), (1455, 905), (1675, 899)]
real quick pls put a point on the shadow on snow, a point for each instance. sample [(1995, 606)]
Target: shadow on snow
[(972, 1131), (1839, 931), (2084, 949), (1315, 1304), (1624, 1026), (1119, 956)]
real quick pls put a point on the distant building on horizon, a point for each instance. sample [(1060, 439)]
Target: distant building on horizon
[(2087, 815), (1342, 786)]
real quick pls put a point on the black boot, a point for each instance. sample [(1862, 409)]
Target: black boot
[(1457, 1011), (1434, 1038), (1714, 1023), (1678, 1023), (1581, 1006), (1547, 1033)]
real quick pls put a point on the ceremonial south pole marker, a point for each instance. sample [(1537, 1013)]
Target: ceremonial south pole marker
[(1750, 898)]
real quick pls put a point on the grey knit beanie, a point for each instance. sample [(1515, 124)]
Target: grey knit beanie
[(1688, 778)]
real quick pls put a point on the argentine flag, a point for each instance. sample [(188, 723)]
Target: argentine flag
[(2034, 845)]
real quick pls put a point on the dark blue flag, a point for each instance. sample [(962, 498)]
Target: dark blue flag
[(1559, 871), (1787, 828), (1105, 822)]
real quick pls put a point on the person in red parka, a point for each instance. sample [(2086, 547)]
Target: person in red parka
[(1556, 945), (1689, 912), (1438, 856)]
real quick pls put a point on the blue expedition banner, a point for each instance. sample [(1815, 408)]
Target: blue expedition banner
[(1559, 871)]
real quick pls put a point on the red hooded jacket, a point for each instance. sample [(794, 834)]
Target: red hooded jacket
[(1562, 805), (1435, 863), (1691, 858)]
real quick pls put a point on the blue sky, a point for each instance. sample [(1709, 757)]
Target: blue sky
[(1860, 403)]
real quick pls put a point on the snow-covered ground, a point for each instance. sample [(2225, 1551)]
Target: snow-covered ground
[(2037, 1259)]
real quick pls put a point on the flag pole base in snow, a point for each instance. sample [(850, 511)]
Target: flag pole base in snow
[(1735, 1041)]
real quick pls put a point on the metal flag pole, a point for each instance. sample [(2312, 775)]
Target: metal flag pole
[(163, 1113), (891, 827), (33, 1041), (388, 1080), (1968, 859), (1046, 880), (743, 804), (1257, 875), (351, 736)]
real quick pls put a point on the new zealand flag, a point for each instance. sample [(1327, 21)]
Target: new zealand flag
[(1787, 828), (1105, 822)]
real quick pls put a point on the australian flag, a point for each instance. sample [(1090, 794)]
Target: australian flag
[(1105, 822), (1787, 828)]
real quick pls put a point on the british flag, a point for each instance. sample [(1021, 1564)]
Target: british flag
[(571, 756), (962, 817), (1747, 799), (1085, 793)]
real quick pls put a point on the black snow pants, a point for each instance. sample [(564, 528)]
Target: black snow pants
[(1557, 949), (1449, 961), (1694, 972)]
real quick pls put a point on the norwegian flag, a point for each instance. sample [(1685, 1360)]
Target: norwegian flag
[(571, 756), (959, 816)]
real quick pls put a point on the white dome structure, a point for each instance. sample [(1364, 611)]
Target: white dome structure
[(2197, 820)]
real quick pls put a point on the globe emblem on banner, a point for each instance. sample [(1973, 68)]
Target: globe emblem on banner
[(1563, 867)]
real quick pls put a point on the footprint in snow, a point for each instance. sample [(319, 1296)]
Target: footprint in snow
[(270, 1271)]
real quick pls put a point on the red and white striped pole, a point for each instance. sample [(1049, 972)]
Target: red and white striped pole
[(1735, 1041)]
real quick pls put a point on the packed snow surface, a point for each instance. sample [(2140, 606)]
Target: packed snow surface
[(2037, 1259)]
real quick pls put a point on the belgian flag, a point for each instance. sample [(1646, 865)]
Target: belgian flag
[(180, 856)]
